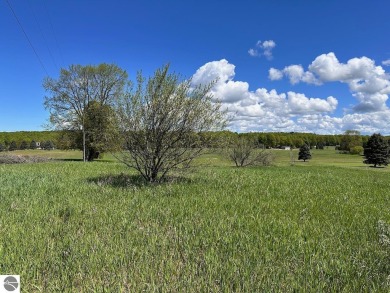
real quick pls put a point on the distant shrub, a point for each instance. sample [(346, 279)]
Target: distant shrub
[(243, 152), (2, 147), (356, 150)]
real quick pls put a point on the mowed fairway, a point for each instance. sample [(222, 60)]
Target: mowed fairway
[(92, 227)]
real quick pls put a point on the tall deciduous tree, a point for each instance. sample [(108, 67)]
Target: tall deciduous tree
[(376, 151), (160, 121), (304, 153), (76, 88)]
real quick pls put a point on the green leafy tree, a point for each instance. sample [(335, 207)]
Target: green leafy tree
[(2, 147), (376, 151), (76, 88), (160, 122), (13, 146), (304, 153), (102, 134)]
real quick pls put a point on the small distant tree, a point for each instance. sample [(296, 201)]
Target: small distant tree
[(13, 146), (304, 153), (33, 145), (376, 151), (243, 152), (23, 145), (161, 121), (2, 147)]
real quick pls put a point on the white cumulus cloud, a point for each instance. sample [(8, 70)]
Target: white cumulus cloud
[(300, 104), (369, 83), (262, 109), (386, 62), (269, 110), (263, 49), (275, 74)]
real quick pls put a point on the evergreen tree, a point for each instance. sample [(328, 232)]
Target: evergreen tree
[(13, 146), (23, 145), (304, 153), (33, 145), (376, 151)]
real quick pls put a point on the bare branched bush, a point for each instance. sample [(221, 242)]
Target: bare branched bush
[(161, 123), (244, 152)]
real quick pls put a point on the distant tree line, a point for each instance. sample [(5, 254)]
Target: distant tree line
[(25, 145), (351, 141)]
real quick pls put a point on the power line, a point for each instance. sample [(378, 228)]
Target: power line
[(28, 39), (43, 35), (52, 29)]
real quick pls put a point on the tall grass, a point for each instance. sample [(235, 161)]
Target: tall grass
[(74, 227)]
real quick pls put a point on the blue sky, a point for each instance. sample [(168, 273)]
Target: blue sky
[(283, 65)]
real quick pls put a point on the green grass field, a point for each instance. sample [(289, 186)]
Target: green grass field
[(69, 226)]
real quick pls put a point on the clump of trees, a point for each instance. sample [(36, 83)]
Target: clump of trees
[(376, 151), (77, 89), (243, 152), (47, 145), (350, 140), (304, 153)]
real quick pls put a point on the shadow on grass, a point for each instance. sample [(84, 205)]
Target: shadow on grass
[(81, 160), (67, 160), (126, 181)]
